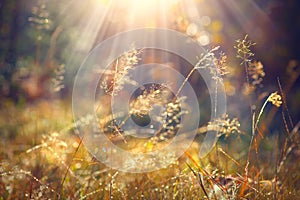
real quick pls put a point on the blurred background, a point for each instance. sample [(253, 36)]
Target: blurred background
[(43, 43)]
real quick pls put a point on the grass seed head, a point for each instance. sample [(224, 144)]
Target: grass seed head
[(275, 99), (243, 49)]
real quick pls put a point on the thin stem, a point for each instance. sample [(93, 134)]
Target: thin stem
[(115, 76), (216, 99), (260, 113), (285, 106), (248, 85), (69, 167), (37, 54), (185, 80)]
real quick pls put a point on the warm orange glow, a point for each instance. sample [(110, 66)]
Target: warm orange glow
[(148, 6)]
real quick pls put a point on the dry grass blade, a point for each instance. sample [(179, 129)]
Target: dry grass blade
[(69, 166), (198, 176)]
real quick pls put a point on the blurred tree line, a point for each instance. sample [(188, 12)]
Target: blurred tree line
[(32, 53)]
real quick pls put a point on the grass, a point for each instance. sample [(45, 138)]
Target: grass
[(41, 164), (42, 157)]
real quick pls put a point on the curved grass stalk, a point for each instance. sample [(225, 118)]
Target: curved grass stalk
[(273, 98)]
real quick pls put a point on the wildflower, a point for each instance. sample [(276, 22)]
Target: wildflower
[(275, 99), (256, 72), (221, 64), (243, 49), (172, 115), (248, 89), (217, 65), (121, 73), (142, 105), (40, 17), (58, 79), (225, 126)]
